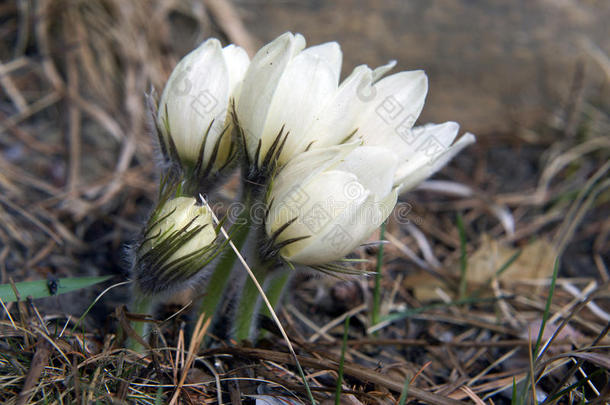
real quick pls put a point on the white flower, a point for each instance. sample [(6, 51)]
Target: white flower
[(326, 202), (287, 87), (295, 92), (380, 111), (177, 243), (196, 102)]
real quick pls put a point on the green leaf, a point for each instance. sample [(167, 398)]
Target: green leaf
[(47, 288), (405, 391)]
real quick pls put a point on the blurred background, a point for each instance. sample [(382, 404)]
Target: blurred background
[(494, 66)]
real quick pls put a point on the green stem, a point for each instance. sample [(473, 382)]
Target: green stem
[(274, 291), (217, 283), (142, 304), (245, 317), (378, 276), (275, 288), (249, 300)]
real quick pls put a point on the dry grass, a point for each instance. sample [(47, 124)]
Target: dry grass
[(77, 173)]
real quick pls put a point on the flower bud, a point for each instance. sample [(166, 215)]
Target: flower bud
[(194, 111), (326, 202), (179, 240)]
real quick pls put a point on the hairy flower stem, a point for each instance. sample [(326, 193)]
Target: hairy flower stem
[(249, 300), (249, 305), (141, 304), (275, 288), (217, 283)]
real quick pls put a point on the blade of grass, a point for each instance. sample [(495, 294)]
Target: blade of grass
[(575, 386), (537, 352), (531, 372), (342, 361), (42, 289), (377, 291), (568, 375), (463, 258), (8, 314), (515, 395), (405, 392)]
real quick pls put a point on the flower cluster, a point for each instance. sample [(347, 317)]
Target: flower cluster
[(349, 143), (327, 158)]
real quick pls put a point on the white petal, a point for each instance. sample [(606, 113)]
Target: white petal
[(325, 204), (177, 212), (398, 101), (408, 145), (421, 145), (348, 231), (195, 94), (416, 173), (386, 205), (380, 71), (444, 133), (299, 44), (180, 212), (331, 52), (307, 83), (288, 188), (374, 167), (338, 118), (204, 238), (237, 62), (260, 84), (310, 163)]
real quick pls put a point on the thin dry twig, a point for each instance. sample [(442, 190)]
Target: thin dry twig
[(39, 362), (228, 19)]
